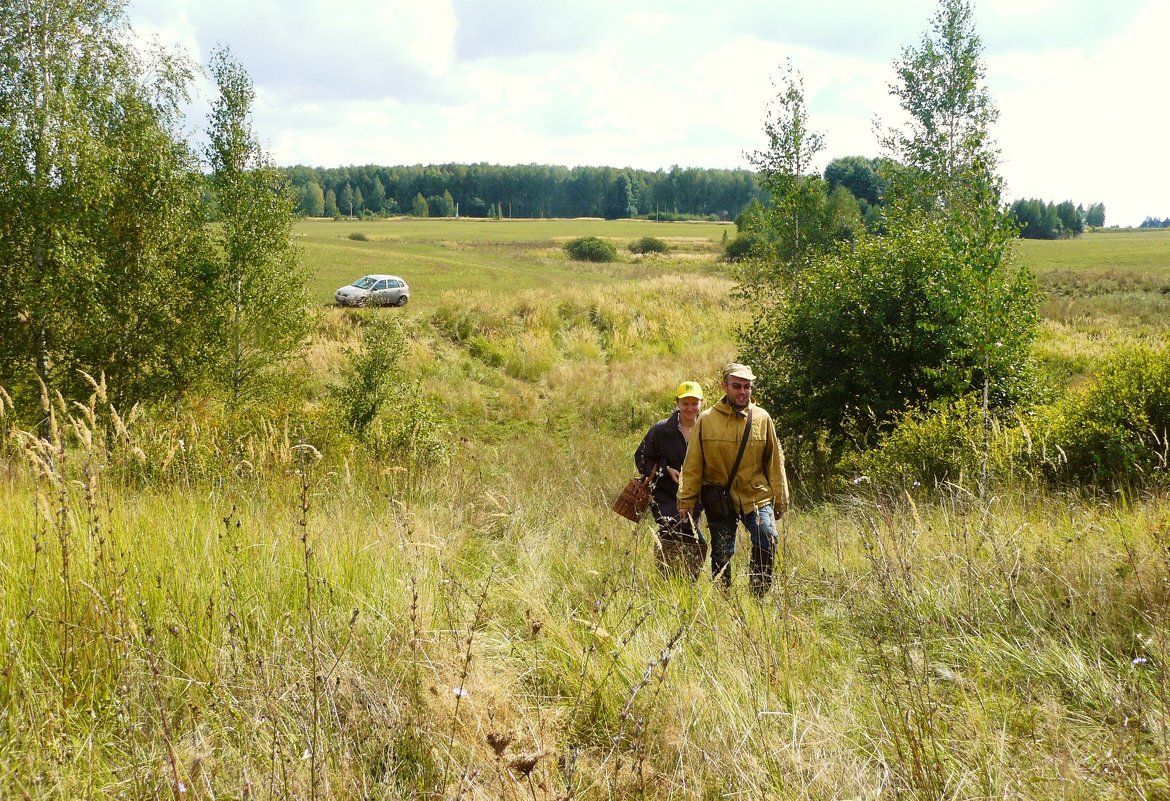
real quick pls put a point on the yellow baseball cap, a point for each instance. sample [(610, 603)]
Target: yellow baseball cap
[(689, 389)]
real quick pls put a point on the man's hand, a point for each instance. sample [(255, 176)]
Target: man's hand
[(684, 514), (673, 474)]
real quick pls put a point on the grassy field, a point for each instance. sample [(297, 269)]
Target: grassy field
[(1141, 251), (195, 615), (1101, 291), (439, 255)]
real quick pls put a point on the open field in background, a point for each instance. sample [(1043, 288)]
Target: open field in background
[(500, 256), (251, 623), (1101, 290), (1129, 250)]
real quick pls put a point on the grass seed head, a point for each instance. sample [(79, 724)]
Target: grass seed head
[(524, 764), (499, 742)]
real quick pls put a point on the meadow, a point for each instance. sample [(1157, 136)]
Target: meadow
[(191, 615)]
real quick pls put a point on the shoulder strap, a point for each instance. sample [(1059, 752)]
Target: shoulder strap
[(747, 432)]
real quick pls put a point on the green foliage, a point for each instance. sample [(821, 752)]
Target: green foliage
[(847, 339), (649, 244), (861, 176), (1095, 216), (383, 407), (419, 207), (753, 218), (102, 231), (591, 248), (261, 303), (1118, 427), (530, 191), (802, 219), (359, 236), (744, 246), (311, 201), (621, 200), (889, 323), (843, 212), (377, 198), (867, 181), (345, 200), (940, 444), (797, 222), (368, 376), (1040, 220), (946, 147)]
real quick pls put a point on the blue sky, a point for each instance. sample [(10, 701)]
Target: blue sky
[(1080, 85)]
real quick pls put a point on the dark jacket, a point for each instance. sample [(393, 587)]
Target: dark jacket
[(665, 446)]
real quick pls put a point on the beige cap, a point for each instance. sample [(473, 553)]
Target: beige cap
[(689, 389), (739, 371)]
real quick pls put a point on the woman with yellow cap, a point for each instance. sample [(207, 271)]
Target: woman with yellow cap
[(665, 446)]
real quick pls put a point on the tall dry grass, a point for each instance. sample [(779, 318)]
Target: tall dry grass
[(198, 607), (498, 633)]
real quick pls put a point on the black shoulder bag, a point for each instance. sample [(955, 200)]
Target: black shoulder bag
[(716, 499)]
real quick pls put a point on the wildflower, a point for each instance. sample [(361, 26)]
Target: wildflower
[(459, 692), (1140, 660)]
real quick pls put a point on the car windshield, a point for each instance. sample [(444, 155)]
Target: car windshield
[(365, 282)]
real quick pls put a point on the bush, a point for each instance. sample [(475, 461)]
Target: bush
[(367, 377), (938, 445), (743, 246), (590, 248), (1117, 427), (887, 324), (358, 236), (648, 244)]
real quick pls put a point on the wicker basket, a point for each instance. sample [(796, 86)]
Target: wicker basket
[(635, 497)]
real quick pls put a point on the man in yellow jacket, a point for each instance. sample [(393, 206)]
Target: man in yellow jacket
[(758, 492)]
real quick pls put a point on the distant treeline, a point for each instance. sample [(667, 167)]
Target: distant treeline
[(1040, 220), (542, 190), (1154, 222), (525, 190)]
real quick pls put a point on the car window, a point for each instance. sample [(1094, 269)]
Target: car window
[(397, 284), (383, 284), (365, 282)]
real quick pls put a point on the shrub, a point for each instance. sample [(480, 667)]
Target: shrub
[(367, 378), (648, 244), (1117, 427), (886, 324), (590, 248), (358, 236), (743, 246), (938, 445)]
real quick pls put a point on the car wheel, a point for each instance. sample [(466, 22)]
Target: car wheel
[(360, 302), (402, 300)]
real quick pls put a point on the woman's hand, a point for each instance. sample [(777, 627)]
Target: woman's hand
[(673, 474)]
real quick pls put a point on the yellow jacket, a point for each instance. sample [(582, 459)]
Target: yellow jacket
[(760, 479)]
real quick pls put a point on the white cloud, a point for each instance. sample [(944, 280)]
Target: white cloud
[(1090, 126), (649, 83)]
